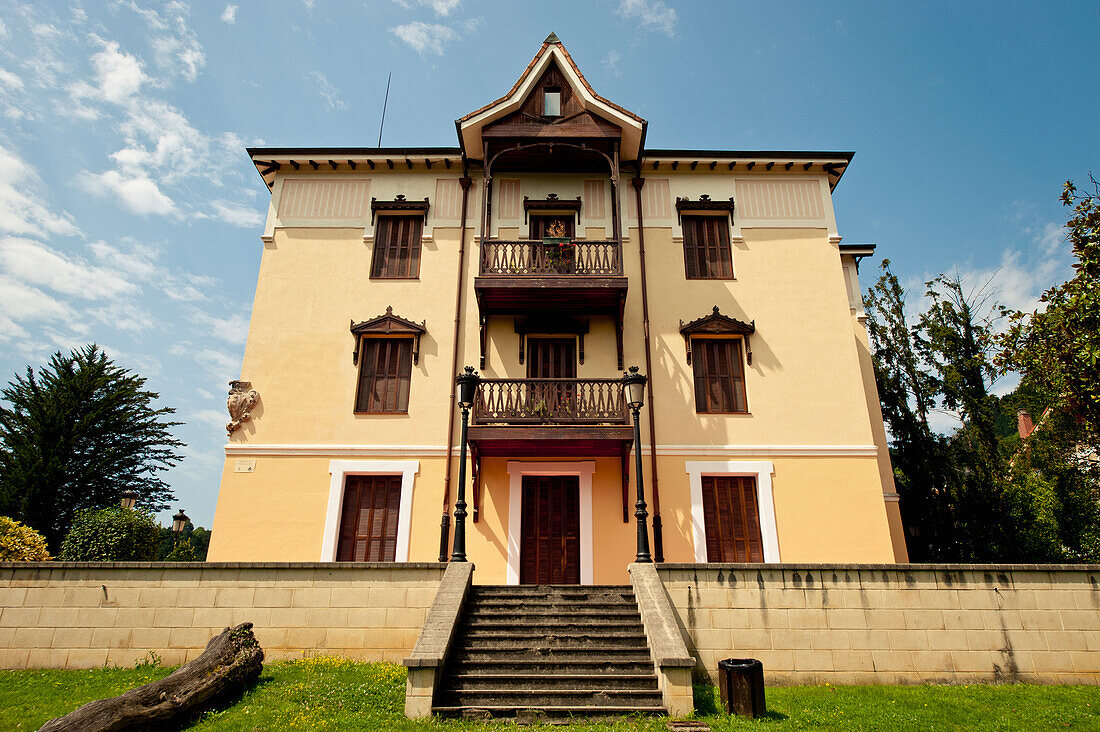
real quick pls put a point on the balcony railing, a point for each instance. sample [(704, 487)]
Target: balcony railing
[(533, 258), (550, 401)]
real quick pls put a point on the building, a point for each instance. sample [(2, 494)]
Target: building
[(550, 250)]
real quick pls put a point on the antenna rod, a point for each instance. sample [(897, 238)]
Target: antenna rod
[(384, 103)]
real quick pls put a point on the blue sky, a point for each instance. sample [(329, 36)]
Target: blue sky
[(130, 215)]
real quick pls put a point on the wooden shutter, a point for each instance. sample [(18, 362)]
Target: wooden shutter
[(368, 522), (397, 247), (550, 530), (385, 375), (719, 375), (731, 519), (707, 247)]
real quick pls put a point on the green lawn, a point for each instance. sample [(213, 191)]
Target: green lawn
[(326, 693)]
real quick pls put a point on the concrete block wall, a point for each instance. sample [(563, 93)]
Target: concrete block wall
[(888, 624), (85, 615)]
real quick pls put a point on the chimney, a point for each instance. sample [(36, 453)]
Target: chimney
[(1024, 424)]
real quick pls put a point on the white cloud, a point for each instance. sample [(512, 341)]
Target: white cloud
[(231, 329), (330, 93), (35, 263), (425, 38), (651, 14), (10, 80), (236, 214), (209, 417), (176, 48), (229, 15), (138, 193), (119, 74), (19, 302), (22, 208), (442, 8), (611, 63)]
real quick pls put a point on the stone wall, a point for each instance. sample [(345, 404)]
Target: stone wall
[(85, 615), (886, 624)]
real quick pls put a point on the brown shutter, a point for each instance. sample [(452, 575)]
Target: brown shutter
[(385, 375), (397, 247), (707, 252), (731, 519), (368, 524), (719, 375)]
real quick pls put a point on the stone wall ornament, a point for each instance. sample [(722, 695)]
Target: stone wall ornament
[(242, 398)]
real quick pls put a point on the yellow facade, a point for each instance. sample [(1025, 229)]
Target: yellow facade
[(812, 436)]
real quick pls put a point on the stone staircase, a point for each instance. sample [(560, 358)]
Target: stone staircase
[(549, 652)]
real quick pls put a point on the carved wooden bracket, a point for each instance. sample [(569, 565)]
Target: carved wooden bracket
[(718, 324), (242, 398), (388, 324)]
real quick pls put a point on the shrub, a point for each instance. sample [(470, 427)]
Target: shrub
[(114, 534), (19, 543)]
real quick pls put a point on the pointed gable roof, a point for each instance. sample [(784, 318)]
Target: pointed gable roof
[(552, 51)]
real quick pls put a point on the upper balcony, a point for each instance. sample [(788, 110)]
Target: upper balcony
[(577, 277), (561, 277)]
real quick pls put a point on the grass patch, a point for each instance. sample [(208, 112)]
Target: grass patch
[(325, 693)]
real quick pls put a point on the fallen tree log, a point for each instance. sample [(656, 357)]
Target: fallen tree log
[(231, 661)]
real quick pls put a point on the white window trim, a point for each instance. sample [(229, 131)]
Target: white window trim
[(762, 471), (516, 471), (340, 470)]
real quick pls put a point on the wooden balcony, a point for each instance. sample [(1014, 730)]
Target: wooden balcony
[(533, 258), (521, 277), (550, 402), (550, 417), (528, 277)]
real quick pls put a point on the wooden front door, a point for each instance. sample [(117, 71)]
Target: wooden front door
[(731, 519), (550, 530), (368, 523)]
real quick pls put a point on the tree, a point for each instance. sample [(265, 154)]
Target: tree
[(1057, 347), (75, 435), (19, 543), (172, 548), (113, 534), (923, 473)]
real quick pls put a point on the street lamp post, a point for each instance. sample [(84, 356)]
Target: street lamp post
[(179, 523), (634, 390), (128, 498), (467, 387)]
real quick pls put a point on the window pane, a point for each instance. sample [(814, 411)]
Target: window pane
[(552, 107), (719, 375)]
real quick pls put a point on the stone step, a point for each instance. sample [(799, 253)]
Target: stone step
[(527, 611), (524, 632), (535, 713), (535, 605), (593, 681), (585, 666), (585, 644), (548, 655), (550, 623), (539, 697)]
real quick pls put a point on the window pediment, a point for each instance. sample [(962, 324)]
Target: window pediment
[(703, 204), (388, 324), (399, 205), (717, 324)]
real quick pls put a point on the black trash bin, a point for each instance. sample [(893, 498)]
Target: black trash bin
[(741, 686)]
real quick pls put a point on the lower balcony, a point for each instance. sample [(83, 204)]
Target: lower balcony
[(549, 418)]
